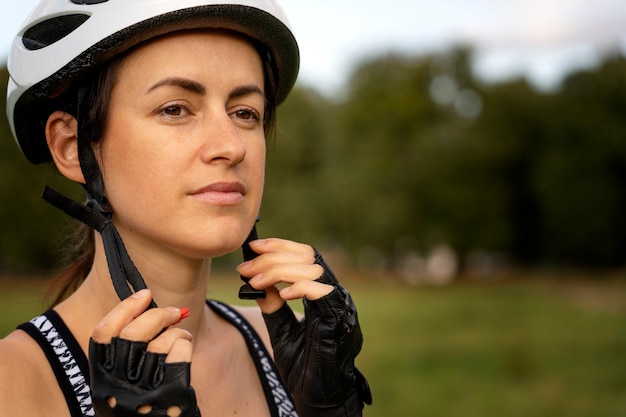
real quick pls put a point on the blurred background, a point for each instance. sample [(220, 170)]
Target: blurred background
[(463, 166)]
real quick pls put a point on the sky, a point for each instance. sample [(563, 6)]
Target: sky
[(539, 39)]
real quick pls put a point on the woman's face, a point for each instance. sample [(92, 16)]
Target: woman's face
[(183, 152)]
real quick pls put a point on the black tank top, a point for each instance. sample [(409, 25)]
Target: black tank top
[(71, 368)]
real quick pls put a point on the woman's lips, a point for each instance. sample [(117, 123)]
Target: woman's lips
[(221, 193)]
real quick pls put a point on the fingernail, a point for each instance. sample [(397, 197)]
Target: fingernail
[(141, 294), (244, 265), (256, 278), (184, 313)]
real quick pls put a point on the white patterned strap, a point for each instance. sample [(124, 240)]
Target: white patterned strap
[(73, 373)]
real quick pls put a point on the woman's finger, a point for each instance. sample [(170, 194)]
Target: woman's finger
[(174, 342), (272, 301), (311, 290), (275, 245), (118, 318), (267, 260), (182, 351), (288, 274), (148, 325)]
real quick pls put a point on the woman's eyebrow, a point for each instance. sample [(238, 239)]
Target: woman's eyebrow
[(246, 90), (184, 83)]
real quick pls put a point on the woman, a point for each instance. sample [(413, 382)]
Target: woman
[(160, 109)]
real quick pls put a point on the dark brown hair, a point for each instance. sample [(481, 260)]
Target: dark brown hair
[(91, 111)]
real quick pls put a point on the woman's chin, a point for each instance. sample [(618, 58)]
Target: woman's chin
[(211, 252)]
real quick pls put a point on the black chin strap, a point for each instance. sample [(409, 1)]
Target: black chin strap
[(124, 273)]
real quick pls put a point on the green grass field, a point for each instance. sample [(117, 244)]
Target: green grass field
[(516, 348)]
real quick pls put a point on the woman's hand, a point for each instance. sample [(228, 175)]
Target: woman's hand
[(315, 355), (139, 365), (129, 320), (287, 262)]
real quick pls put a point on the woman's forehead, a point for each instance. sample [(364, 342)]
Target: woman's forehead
[(198, 51)]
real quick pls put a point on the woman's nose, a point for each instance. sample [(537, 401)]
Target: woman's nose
[(222, 141)]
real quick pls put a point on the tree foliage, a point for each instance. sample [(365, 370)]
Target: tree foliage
[(417, 152)]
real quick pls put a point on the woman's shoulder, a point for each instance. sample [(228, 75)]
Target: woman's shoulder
[(253, 315), (19, 356), (26, 375)]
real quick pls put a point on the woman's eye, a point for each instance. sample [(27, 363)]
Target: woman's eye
[(245, 114), (174, 110)]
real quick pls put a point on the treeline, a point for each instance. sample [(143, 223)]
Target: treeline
[(415, 153)]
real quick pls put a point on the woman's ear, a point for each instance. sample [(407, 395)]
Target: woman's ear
[(62, 138)]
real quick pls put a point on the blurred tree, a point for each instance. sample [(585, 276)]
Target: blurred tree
[(508, 137), (376, 165), (581, 173), (294, 194), (406, 168)]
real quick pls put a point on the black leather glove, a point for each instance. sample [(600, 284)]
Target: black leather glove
[(125, 377), (315, 356)]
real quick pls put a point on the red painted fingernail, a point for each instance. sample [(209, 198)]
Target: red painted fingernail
[(184, 313)]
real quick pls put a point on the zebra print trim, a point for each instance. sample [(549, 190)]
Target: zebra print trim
[(282, 399), (72, 371)]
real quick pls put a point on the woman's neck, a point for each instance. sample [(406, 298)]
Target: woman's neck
[(174, 281)]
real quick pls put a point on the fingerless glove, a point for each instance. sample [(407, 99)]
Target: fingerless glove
[(126, 380), (315, 355)]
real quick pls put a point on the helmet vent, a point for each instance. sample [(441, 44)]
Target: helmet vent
[(52, 30)]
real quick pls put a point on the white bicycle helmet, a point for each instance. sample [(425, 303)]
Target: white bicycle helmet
[(62, 40)]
